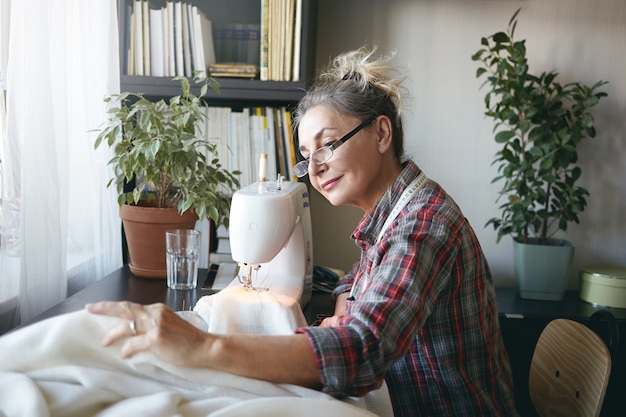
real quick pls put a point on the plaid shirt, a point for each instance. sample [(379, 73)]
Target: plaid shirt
[(424, 315)]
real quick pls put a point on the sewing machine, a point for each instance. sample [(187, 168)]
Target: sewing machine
[(271, 238)]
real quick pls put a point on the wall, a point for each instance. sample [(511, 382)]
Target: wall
[(447, 133)]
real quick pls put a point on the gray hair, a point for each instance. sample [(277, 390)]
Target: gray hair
[(357, 84)]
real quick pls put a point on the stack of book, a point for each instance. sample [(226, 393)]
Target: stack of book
[(237, 42), (179, 40), (175, 40), (233, 69), (281, 27), (242, 136)]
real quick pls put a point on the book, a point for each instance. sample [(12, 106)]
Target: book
[(178, 39), (245, 158), (280, 38), (128, 38), (207, 39), (273, 161), (194, 39), (205, 47), (240, 137), (264, 41), (225, 117), (253, 48), (273, 43), (290, 144), (228, 43), (233, 144), (157, 50), (257, 142), (171, 43), (297, 42), (287, 51), (164, 40), (233, 69), (187, 69), (145, 16), (280, 148), (240, 42), (137, 30), (217, 40)]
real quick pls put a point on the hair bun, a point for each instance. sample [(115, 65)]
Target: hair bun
[(352, 75)]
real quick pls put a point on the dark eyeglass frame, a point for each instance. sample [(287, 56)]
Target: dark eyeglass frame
[(302, 168)]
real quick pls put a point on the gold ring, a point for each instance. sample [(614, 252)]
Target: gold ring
[(133, 327)]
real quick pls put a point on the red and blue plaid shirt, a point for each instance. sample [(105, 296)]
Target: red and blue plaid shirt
[(424, 315)]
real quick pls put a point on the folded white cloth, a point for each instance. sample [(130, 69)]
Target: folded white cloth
[(242, 310)]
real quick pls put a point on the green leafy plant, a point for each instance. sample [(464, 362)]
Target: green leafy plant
[(539, 124), (156, 148)]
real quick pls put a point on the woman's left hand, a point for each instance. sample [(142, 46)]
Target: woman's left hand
[(154, 328), (332, 321)]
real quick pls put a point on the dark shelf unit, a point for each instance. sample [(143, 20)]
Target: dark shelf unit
[(234, 92)]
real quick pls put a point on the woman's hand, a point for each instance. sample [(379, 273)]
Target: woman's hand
[(330, 321), (154, 328), (340, 311)]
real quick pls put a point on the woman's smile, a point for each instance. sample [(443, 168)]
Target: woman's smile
[(327, 185)]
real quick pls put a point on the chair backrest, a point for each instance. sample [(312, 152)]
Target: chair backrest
[(569, 372)]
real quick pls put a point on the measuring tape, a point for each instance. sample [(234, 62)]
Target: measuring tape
[(404, 199)]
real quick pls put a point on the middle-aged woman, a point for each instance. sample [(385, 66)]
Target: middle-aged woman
[(418, 310)]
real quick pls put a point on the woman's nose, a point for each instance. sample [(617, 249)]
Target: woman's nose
[(315, 169)]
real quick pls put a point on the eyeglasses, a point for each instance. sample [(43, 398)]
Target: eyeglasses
[(323, 154)]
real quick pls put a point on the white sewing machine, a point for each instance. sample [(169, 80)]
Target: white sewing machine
[(271, 238)]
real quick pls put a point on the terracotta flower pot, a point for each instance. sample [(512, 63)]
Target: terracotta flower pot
[(145, 234)]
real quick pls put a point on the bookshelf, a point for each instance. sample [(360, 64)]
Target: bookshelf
[(238, 94), (234, 92)]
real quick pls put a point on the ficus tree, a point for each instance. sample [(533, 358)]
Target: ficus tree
[(157, 148), (539, 124)]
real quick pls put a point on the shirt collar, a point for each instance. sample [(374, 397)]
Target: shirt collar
[(370, 224)]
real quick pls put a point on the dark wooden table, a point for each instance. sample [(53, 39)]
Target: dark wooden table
[(123, 285)]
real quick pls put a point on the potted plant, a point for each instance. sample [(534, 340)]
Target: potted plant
[(163, 170), (539, 124)]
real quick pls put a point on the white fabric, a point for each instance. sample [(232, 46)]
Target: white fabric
[(58, 368), (60, 222), (241, 310)]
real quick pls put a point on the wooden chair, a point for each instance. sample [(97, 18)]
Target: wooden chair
[(569, 372)]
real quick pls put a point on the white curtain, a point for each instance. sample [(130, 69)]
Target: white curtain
[(60, 224)]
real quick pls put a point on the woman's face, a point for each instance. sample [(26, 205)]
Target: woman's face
[(352, 175)]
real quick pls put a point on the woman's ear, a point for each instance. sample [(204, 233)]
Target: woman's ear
[(382, 125)]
